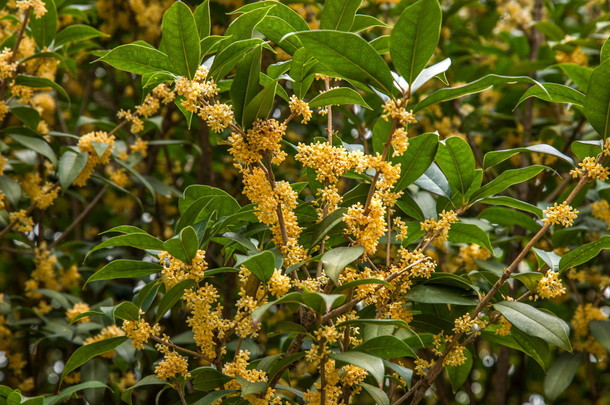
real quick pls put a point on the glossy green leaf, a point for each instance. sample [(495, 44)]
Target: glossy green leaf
[(601, 331), (335, 260), (561, 373), (29, 116), (584, 149), (69, 391), (429, 73), (437, 294), (339, 14), (456, 160), (578, 74), (605, 51), (329, 223), (459, 374), (221, 201), (138, 59), (378, 395), (469, 233), (535, 322), (415, 37), (125, 269), (529, 279), (138, 241), (386, 347), (77, 32), (43, 29), (363, 22), (555, 93), (498, 156), (374, 365), (262, 265), (416, 160), (584, 253), (338, 96), (208, 378), (348, 55), (38, 145), (507, 217), (507, 179), (243, 26), (534, 347), (362, 281), (41, 83), (85, 353), (597, 100), (245, 84), (148, 380), (550, 29), (322, 303), (11, 189), (69, 167), (477, 86), (172, 296), (512, 203), (434, 181), (202, 19), (180, 38), (551, 259), (260, 106)]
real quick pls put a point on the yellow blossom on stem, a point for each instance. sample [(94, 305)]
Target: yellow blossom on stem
[(366, 227), (77, 309), (279, 284), (560, 214), (400, 141), (393, 109), (173, 364), (438, 230), (38, 7), (591, 169), (550, 286), (504, 328), (601, 210), (24, 222), (300, 107), (7, 69), (136, 122), (465, 324), (139, 332)]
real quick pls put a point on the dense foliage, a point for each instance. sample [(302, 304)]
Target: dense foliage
[(304, 202)]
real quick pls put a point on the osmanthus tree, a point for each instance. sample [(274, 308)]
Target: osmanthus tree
[(370, 261)]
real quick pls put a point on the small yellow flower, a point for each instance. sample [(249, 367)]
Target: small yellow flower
[(560, 214), (77, 309), (300, 107), (550, 286), (591, 169)]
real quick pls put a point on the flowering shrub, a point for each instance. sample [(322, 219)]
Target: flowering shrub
[(297, 206)]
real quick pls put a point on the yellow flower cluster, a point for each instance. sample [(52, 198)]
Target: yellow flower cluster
[(422, 366), (175, 270), (438, 230), (206, 319), (592, 275), (601, 210), (560, 214), (172, 365), (583, 340), (424, 267), (392, 109), (139, 146), (239, 368), (550, 285), (465, 324), (77, 309), (106, 333), (24, 222), (591, 169), (400, 141), (467, 257), (577, 56), (300, 107), (329, 162), (262, 139), (44, 275), (279, 284), (7, 68), (139, 332), (504, 328), (137, 125), (37, 6), (366, 227), (3, 105), (85, 144)]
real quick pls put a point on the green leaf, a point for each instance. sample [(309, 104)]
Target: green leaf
[(220, 200), (361, 281), (43, 29), (339, 14), (416, 160), (180, 38), (434, 181), (38, 145), (208, 378), (148, 380), (437, 294), (77, 32), (85, 353), (584, 149), (580, 75), (555, 93), (245, 85), (537, 323), (469, 233), (138, 241), (69, 167), (29, 116), (584, 253), (214, 396), (415, 37), (459, 374), (496, 157), (138, 59), (529, 279), (513, 203), (386, 347), (477, 86), (176, 248), (363, 22), (597, 100), (430, 72), (190, 241), (456, 160), (377, 394), (534, 347), (374, 365), (301, 71), (338, 96), (507, 179), (262, 265), (601, 331), (68, 392), (550, 30), (260, 106), (172, 296), (41, 83), (243, 26), (561, 373), (507, 217), (202, 19), (605, 51), (328, 224), (125, 269), (11, 189), (349, 56), (337, 259), (551, 259), (322, 303), (381, 322)]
